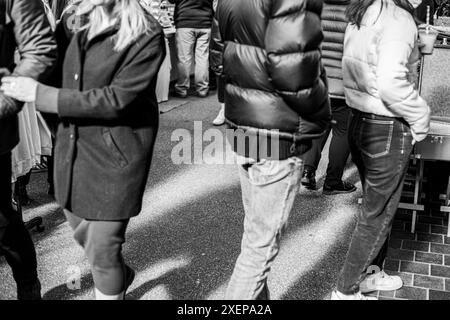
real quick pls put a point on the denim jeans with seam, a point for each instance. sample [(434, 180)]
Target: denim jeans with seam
[(269, 188), (381, 148)]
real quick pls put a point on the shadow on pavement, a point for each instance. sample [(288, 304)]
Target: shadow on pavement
[(208, 233)]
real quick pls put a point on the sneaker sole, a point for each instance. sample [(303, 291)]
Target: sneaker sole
[(367, 290)]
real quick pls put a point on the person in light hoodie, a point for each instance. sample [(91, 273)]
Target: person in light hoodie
[(381, 53)]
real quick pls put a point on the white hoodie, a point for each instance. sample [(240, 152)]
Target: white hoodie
[(380, 67)]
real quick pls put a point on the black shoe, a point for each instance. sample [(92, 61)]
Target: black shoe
[(180, 95), (29, 292), (342, 187), (309, 179)]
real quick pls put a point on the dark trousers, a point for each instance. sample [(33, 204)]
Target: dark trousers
[(221, 89), (102, 242), (380, 147), (339, 148), (15, 241)]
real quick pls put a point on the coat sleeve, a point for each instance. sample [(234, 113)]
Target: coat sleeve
[(131, 81), (35, 40), (36, 45), (292, 43), (395, 90), (216, 49)]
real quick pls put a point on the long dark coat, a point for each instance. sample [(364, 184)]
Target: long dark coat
[(109, 121)]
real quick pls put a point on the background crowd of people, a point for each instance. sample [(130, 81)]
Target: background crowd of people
[(291, 71)]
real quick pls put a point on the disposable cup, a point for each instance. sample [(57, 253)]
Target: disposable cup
[(427, 39)]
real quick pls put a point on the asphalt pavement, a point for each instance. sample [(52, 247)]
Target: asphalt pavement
[(186, 240)]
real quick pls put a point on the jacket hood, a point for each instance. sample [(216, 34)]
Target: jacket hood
[(337, 1)]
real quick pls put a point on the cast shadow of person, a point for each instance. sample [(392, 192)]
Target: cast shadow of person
[(206, 234)]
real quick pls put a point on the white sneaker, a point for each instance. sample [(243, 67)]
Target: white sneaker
[(220, 119), (336, 295), (380, 281)]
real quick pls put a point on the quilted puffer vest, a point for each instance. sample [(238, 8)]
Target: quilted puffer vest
[(334, 23)]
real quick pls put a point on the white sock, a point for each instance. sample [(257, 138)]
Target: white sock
[(100, 296)]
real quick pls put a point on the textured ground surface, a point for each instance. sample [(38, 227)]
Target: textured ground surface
[(187, 238)]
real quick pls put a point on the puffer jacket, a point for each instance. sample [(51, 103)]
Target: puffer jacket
[(216, 49), (380, 67), (23, 24), (216, 46), (334, 23), (273, 71)]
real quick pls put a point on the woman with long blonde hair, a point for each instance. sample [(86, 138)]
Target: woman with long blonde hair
[(108, 123)]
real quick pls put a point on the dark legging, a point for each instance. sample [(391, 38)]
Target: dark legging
[(221, 89), (15, 242), (102, 242)]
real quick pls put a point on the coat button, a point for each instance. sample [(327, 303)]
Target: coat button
[(76, 76)]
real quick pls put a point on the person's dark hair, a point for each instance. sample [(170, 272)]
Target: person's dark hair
[(357, 8)]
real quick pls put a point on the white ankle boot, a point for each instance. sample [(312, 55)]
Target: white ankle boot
[(220, 119)]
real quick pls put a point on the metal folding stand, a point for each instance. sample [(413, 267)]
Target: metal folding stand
[(415, 206), (436, 147), (446, 206), (434, 87)]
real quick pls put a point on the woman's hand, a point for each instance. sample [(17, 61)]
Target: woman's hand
[(20, 88)]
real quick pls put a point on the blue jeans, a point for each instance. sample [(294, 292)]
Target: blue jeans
[(380, 147), (193, 45), (269, 188)]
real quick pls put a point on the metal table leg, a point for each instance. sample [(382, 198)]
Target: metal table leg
[(417, 192), (446, 207)]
